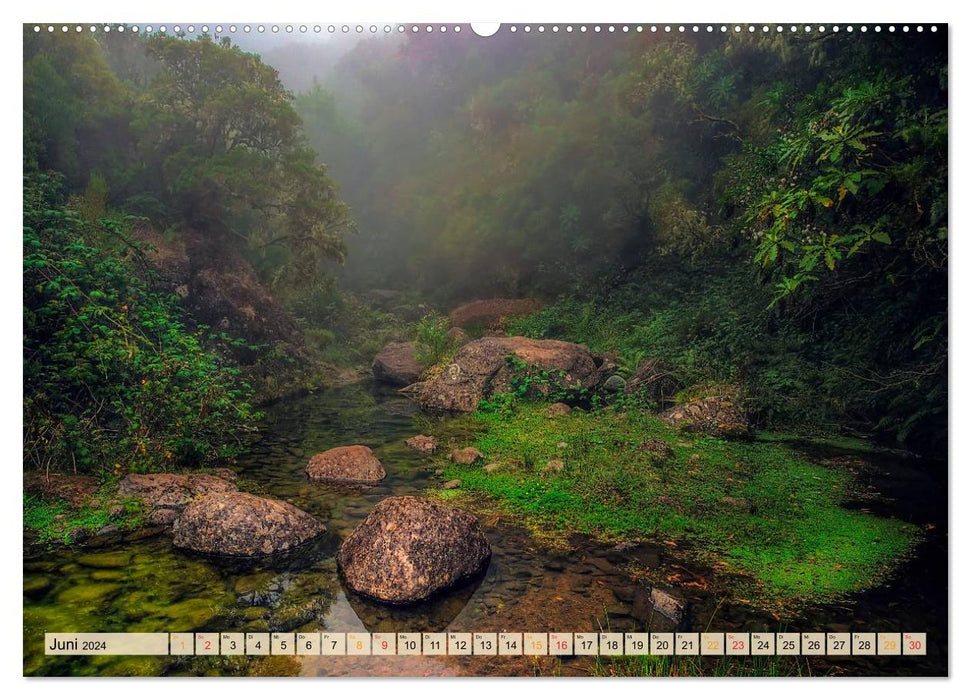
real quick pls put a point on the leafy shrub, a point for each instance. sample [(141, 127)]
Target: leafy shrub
[(112, 378), (433, 343)]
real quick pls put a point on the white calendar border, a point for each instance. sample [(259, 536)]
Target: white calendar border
[(544, 10)]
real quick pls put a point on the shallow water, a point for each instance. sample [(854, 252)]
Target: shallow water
[(147, 585)]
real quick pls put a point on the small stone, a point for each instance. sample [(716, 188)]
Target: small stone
[(439, 472), (557, 409), (425, 444), (116, 512), (739, 503), (614, 384), (354, 464), (453, 484), (467, 455), (555, 466), (490, 467), (669, 605)]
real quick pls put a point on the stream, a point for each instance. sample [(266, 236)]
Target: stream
[(147, 585)]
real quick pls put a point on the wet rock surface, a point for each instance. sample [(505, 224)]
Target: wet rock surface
[(243, 525), (425, 444), (397, 364), (480, 370), (410, 548), (351, 464), (166, 495)]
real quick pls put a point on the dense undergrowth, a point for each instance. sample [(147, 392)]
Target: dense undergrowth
[(113, 378)]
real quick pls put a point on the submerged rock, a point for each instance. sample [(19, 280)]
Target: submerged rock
[(481, 369), (397, 364), (37, 586), (425, 444), (352, 464), (410, 548), (105, 560), (243, 525)]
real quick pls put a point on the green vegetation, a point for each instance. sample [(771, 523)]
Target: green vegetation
[(433, 342), (699, 666), (763, 210), (58, 522), (757, 509), (117, 382)]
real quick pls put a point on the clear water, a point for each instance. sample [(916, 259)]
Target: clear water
[(147, 585)]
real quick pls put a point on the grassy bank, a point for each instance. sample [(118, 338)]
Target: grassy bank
[(757, 509)]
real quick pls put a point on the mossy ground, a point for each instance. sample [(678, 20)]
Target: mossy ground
[(756, 509), (57, 522)]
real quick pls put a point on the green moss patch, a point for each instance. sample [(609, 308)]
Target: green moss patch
[(758, 508)]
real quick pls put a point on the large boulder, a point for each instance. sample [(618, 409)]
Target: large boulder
[(491, 313), (480, 370), (652, 382), (354, 464), (721, 416), (242, 525), (397, 364), (166, 495), (410, 548)]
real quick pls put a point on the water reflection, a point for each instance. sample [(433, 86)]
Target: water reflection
[(148, 585)]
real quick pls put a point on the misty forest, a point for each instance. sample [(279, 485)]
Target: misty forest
[(428, 331)]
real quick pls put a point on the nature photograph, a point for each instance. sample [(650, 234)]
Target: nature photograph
[(402, 330)]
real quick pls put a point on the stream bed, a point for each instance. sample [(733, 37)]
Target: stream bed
[(148, 585)]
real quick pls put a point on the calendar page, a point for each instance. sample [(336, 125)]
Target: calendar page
[(587, 349)]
